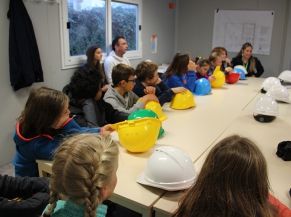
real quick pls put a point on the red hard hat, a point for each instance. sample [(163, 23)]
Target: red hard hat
[(232, 78)]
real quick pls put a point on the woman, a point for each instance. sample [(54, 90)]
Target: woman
[(251, 63)]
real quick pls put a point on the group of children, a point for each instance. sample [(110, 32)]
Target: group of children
[(232, 182)]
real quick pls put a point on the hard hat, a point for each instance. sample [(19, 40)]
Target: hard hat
[(232, 78), (219, 76), (138, 135), (183, 100), (202, 87), (241, 70), (279, 93), (285, 76), (268, 83), (156, 108), (168, 168), (145, 113), (266, 109)]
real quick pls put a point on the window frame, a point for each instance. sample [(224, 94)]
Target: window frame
[(69, 61)]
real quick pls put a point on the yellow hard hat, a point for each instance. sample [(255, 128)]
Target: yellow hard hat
[(183, 100), (219, 78), (156, 107), (138, 135)]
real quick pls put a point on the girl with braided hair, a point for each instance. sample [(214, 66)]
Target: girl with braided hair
[(83, 176)]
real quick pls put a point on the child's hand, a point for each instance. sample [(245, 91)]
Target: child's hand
[(192, 66), (227, 60), (105, 88), (178, 89), (150, 90), (228, 69), (211, 78), (106, 130), (149, 97)]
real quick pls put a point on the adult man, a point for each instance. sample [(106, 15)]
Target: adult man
[(116, 56)]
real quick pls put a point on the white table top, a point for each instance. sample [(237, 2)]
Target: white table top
[(266, 136)]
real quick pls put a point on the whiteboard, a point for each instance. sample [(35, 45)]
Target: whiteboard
[(232, 28)]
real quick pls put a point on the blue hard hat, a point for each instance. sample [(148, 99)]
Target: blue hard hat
[(241, 70), (202, 87)]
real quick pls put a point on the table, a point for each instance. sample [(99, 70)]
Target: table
[(266, 136), (193, 130)]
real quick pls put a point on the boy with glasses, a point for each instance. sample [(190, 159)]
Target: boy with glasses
[(120, 94)]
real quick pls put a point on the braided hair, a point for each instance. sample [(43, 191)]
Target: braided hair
[(82, 166)]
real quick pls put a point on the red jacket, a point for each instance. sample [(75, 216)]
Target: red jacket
[(283, 211)]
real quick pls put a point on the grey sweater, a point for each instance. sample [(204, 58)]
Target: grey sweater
[(128, 104)]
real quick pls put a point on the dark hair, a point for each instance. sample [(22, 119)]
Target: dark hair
[(42, 109), (115, 41), (233, 182), (90, 53), (146, 70), (85, 83), (203, 62), (179, 65), (121, 72)]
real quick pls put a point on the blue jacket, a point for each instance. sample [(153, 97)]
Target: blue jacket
[(187, 81), (40, 147), (163, 92)]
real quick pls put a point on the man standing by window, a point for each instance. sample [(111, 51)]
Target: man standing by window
[(116, 56)]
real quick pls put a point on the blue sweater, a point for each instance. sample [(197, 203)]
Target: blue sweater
[(187, 80), (163, 92), (40, 147)]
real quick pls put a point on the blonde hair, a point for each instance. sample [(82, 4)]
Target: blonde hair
[(83, 164)]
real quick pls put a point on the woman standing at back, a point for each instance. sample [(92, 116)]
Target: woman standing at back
[(245, 58), (233, 182)]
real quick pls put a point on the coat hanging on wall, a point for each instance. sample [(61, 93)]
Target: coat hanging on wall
[(24, 59)]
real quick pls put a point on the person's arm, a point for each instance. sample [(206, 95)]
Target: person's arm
[(44, 147), (112, 115), (259, 68), (23, 196), (283, 211), (166, 94), (174, 81)]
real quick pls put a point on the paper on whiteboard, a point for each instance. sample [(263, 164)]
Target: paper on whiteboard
[(232, 28)]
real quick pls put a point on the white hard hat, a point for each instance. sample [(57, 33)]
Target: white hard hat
[(279, 93), (285, 76), (269, 82), (168, 168), (266, 109)]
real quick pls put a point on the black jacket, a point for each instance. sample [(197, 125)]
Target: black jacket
[(259, 69), (24, 59), (32, 191)]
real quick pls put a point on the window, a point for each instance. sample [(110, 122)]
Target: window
[(88, 22)]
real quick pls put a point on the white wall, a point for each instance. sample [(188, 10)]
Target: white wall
[(287, 53), (195, 27), (157, 18)]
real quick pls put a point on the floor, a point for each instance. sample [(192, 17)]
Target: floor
[(7, 169)]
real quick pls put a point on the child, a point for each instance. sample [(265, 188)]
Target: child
[(94, 58), (148, 81), (120, 95), (233, 182), (180, 72), (84, 173), (251, 63), (42, 124), (202, 69), (226, 63), (86, 104), (23, 196)]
